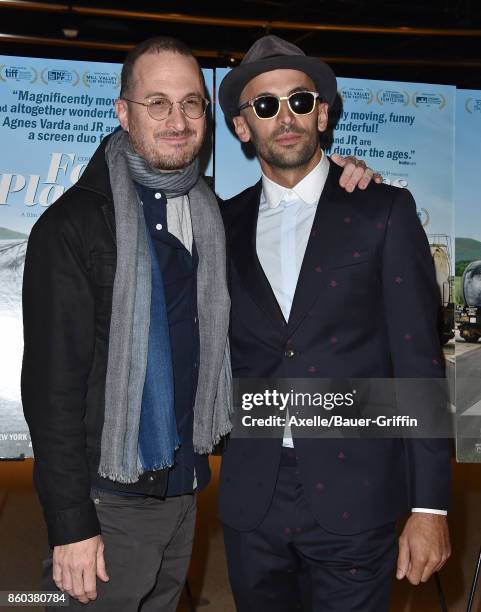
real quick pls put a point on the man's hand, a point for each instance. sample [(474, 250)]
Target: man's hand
[(423, 547), (75, 567), (355, 173)]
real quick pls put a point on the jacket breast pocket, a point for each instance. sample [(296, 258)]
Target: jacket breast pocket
[(349, 279), (346, 258)]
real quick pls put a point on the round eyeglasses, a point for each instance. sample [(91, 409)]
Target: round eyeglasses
[(268, 106), (193, 107)]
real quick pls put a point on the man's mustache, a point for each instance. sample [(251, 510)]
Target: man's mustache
[(175, 134), (282, 130)]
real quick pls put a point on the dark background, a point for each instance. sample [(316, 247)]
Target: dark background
[(433, 41)]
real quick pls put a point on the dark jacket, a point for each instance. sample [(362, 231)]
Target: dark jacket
[(365, 306), (67, 299)]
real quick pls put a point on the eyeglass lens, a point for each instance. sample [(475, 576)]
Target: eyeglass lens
[(300, 103), (193, 107)]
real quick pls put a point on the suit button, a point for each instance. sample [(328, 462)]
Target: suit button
[(290, 353), (151, 478)]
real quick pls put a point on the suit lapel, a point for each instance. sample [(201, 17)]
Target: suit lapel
[(243, 251), (321, 241)]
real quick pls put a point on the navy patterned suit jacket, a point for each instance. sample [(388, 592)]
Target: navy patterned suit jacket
[(366, 306)]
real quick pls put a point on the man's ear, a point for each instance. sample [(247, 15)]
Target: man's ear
[(241, 129), (322, 116), (122, 110)]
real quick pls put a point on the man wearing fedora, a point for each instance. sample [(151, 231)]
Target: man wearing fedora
[(322, 285)]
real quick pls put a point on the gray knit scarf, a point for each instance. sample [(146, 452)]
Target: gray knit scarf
[(130, 319), (173, 184)]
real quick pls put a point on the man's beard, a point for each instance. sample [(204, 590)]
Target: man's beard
[(286, 157), (181, 156)]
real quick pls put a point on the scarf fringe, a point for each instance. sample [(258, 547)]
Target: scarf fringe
[(111, 474), (115, 476), (207, 449)]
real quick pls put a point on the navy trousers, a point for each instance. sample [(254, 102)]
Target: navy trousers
[(290, 563)]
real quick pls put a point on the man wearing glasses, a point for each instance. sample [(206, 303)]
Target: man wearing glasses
[(126, 310), (324, 284)]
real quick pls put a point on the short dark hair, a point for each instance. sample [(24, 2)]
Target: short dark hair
[(157, 44)]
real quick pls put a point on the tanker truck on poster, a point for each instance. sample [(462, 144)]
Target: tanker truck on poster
[(469, 319), (441, 253)]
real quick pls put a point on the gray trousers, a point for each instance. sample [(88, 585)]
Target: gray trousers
[(148, 544)]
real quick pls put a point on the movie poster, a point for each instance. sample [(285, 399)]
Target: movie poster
[(53, 115), (468, 275)]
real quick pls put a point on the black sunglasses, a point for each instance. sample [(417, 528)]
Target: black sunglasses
[(268, 106)]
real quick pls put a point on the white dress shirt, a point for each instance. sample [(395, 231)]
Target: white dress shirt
[(283, 228), (284, 225)]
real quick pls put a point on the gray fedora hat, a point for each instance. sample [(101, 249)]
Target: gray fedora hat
[(273, 53)]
